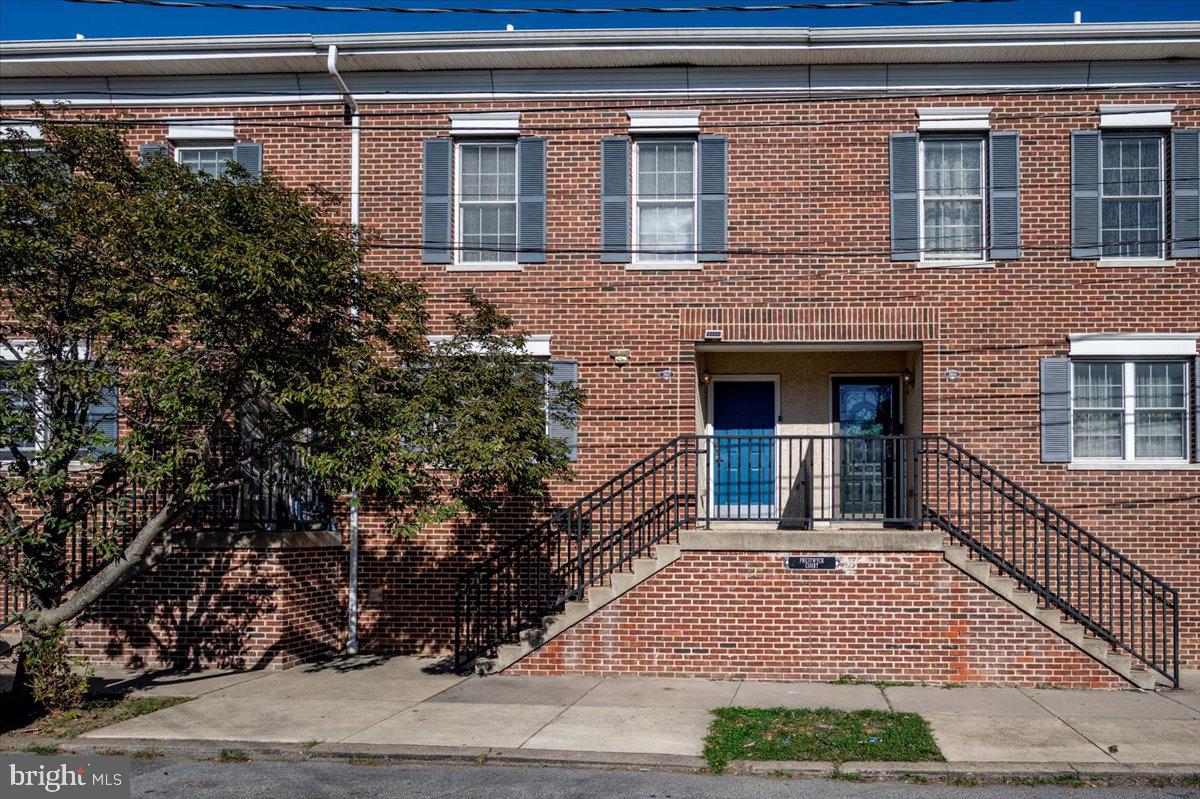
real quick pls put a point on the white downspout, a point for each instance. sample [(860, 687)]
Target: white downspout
[(355, 137)]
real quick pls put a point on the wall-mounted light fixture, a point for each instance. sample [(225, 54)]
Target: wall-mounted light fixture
[(909, 378), (705, 378)]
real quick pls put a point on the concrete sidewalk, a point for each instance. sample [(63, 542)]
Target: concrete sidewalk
[(405, 701)]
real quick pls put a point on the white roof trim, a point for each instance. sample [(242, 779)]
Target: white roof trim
[(668, 120), (1136, 116), (536, 346), (1135, 345), (954, 118), (217, 130), (492, 123)]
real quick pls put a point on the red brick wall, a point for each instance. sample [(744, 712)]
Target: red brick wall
[(207, 608), (903, 617), (811, 199)]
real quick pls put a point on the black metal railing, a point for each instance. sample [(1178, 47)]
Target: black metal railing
[(1065, 566), (920, 481), (274, 496), (801, 480), (581, 546)]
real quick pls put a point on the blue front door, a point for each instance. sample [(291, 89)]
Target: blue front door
[(743, 416)]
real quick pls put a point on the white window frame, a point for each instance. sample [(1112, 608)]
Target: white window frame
[(20, 350), (458, 264), (1129, 411), (960, 258), (682, 261), (222, 144), (1162, 195)]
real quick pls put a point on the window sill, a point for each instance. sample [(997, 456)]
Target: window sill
[(485, 268), (1135, 262), (1132, 466), (665, 267), (953, 264)]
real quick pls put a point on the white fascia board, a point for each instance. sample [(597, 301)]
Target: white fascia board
[(536, 346), (1136, 116), (217, 130), (491, 123), (1133, 345), (954, 118), (667, 120)]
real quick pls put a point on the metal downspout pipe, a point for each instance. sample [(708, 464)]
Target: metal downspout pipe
[(352, 119)]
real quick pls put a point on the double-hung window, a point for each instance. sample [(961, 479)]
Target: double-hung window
[(1130, 410), (210, 160), (1132, 181), (953, 191), (664, 194), (18, 406), (487, 203)]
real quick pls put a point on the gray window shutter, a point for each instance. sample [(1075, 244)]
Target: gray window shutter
[(565, 429), (1056, 410), (1005, 201), (248, 155), (713, 199), (1085, 194), (435, 202), (614, 199), (531, 200), (103, 418), (148, 151), (904, 166), (1185, 194)]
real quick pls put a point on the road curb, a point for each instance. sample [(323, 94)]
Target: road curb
[(370, 754)]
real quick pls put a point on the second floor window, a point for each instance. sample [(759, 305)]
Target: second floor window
[(210, 160), (1131, 196), (487, 202), (664, 191), (952, 204)]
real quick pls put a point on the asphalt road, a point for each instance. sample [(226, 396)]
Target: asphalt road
[(316, 780)]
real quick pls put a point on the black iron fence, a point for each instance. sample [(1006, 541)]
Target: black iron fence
[(273, 496), (802, 482)]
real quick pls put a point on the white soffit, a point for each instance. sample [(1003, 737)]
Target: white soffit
[(1136, 116), (1133, 344), (668, 120), (536, 346), (492, 123), (217, 130), (954, 118)]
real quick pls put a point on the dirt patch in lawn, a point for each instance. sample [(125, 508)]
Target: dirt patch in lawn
[(96, 712)]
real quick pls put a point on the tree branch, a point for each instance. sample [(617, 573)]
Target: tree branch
[(141, 554)]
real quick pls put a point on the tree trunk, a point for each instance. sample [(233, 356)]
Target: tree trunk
[(19, 701)]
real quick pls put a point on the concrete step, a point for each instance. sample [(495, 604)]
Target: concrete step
[(1052, 618), (573, 612)]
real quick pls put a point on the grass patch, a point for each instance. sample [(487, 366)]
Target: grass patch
[(233, 756), (362, 760), (42, 749), (96, 712), (739, 733)]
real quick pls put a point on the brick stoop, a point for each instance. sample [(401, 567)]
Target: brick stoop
[(1053, 619), (573, 613)]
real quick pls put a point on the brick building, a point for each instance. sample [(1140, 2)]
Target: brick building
[(889, 338)]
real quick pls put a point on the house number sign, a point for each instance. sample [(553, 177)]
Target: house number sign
[(805, 562)]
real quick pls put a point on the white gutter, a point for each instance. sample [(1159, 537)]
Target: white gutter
[(355, 141)]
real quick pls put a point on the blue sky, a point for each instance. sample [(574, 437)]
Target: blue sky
[(57, 19)]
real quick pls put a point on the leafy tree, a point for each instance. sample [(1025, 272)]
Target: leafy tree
[(230, 319)]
